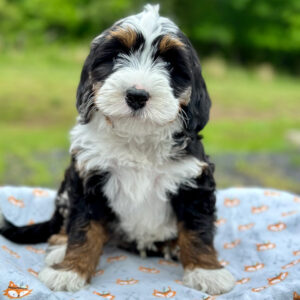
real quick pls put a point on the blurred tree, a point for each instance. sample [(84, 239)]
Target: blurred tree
[(246, 30)]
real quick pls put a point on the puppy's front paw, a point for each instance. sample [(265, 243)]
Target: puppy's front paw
[(61, 280), (213, 282)]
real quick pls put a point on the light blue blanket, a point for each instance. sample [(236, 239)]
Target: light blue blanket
[(258, 239)]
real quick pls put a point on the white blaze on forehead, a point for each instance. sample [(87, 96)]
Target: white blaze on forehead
[(150, 23)]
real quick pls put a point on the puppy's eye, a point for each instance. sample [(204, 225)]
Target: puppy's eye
[(169, 66)]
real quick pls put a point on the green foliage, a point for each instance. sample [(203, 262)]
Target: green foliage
[(243, 30)]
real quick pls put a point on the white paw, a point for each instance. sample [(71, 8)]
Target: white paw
[(213, 282), (60, 280), (55, 254)]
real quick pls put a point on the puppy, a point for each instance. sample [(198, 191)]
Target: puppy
[(138, 171)]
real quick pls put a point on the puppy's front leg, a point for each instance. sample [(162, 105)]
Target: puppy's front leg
[(202, 270), (195, 210), (84, 247)]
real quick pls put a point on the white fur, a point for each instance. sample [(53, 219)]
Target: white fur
[(133, 70), (150, 23), (55, 254), (59, 280), (213, 282), (141, 174), (139, 198)]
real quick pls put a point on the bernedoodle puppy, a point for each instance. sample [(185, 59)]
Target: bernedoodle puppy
[(138, 174)]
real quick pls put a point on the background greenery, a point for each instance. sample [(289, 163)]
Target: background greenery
[(250, 56)]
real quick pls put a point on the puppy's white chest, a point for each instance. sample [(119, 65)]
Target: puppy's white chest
[(139, 197)]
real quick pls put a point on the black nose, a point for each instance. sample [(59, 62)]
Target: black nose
[(136, 98)]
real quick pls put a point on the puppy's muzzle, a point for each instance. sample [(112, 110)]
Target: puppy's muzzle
[(136, 98)]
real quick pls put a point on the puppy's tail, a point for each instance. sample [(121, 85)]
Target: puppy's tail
[(31, 234)]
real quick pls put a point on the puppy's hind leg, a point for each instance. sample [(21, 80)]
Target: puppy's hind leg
[(80, 260)]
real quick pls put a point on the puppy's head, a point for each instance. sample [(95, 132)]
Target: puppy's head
[(143, 72)]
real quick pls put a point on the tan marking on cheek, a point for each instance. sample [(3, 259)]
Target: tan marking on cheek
[(194, 253), (127, 36), (169, 42), (83, 258)]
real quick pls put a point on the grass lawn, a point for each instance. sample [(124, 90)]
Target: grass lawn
[(253, 111)]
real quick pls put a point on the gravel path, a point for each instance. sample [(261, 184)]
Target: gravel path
[(280, 170)]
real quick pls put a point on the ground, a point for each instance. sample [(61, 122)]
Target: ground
[(253, 135)]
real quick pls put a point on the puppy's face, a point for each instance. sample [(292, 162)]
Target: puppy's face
[(141, 72)]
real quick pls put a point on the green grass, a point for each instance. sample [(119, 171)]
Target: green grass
[(249, 135), (253, 109)]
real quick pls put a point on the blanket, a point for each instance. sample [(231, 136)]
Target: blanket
[(258, 240)]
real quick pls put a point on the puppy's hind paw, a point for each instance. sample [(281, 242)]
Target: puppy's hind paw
[(213, 282)]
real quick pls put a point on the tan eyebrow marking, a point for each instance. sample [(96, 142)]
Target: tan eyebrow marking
[(127, 35), (168, 42)]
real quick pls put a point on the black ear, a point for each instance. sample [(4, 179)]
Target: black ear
[(85, 104), (199, 105)]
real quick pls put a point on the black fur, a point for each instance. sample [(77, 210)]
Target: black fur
[(177, 65), (199, 106), (185, 71), (32, 234), (87, 202), (195, 207)]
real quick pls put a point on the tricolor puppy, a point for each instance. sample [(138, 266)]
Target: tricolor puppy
[(138, 171)]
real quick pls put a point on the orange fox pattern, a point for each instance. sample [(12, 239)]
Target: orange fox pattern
[(116, 258), (126, 281), (16, 292), (245, 227), (253, 268), (232, 244), (282, 276), (220, 222), (243, 281), (231, 202), (289, 213), (259, 209), (148, 270), (265, 246), (277, 227), (15, 201), (40, 193), (35, 250), (167, 293), (98, 273), (6, 249), (105, 295), (167, 263), (32, 272)]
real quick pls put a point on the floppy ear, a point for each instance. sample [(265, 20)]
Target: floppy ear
[(85, 104), (199, 105)]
